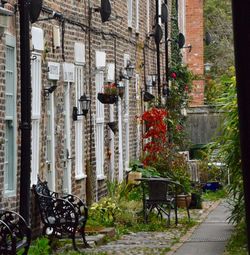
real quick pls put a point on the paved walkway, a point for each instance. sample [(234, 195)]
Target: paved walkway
[(211, 236)]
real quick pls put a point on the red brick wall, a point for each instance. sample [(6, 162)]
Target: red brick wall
[(194, 59)]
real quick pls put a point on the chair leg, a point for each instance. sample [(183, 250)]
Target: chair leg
[(74, 242), (26, 249), (188, 213), (175, 211)]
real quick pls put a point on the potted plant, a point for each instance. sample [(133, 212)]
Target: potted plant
[(109, 96)]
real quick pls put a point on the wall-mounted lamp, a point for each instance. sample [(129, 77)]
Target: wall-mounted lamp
[(207, 67), (121, 88), (130, 69), (123, 75), (128, 72), (4, 17), (49, 90), (84, 105)]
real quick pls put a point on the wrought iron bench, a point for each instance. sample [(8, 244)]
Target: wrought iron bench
[(14, 233), (61, 214)]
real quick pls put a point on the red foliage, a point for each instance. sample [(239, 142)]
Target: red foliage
[(156, 133)]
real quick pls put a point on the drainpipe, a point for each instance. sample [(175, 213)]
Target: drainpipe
[(89, 185), (158, 53), (25, 110), (241, 29)]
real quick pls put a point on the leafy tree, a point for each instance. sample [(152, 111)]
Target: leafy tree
[(219, 53), (218, 22)]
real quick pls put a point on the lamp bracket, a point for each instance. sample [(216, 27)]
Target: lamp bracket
[(49, 90), (55, 15)]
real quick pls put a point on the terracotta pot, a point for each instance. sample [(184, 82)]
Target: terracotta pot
[(181, 200), (132, 176)]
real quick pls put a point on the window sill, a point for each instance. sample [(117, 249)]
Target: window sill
[(80, 177), (101, 177), (9, 193)]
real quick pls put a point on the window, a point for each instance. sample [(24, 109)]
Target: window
[(130, 13), (10, 117)]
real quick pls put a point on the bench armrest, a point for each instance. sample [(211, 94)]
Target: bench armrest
[(17, 224), (53, 209)]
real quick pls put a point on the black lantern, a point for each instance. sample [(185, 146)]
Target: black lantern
[(84, 105), (121, 88), (130, 69)]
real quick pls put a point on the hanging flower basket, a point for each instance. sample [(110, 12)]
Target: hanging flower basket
[(107, 99), (113, 126), (148, 96)]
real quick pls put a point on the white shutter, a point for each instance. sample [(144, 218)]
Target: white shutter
[(126, 123), (148, 17), (137, 20), (79, 126), (10, 154), (36, 112), (99, 80), (130, 13)]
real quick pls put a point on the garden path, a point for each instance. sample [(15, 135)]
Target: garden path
[(209, 238)]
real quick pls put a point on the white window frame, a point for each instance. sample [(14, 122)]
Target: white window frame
[(159, 12), (36, 74), (10, 188), (137, 16), (79, 126), (130, 13)]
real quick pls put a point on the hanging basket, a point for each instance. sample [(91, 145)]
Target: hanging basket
[(148, 96), (113, 126), (107, 99)]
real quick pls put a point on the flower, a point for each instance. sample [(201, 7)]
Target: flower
[(173, 75), (110, 89)]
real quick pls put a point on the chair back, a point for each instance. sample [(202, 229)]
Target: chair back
[(158, 190)]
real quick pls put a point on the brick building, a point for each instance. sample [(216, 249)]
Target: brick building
[(74, 53)]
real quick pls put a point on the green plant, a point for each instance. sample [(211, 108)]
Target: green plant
[(105, 211), (110, 89), (214, 195), (39, 247), (238, 241), (228, 146)]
